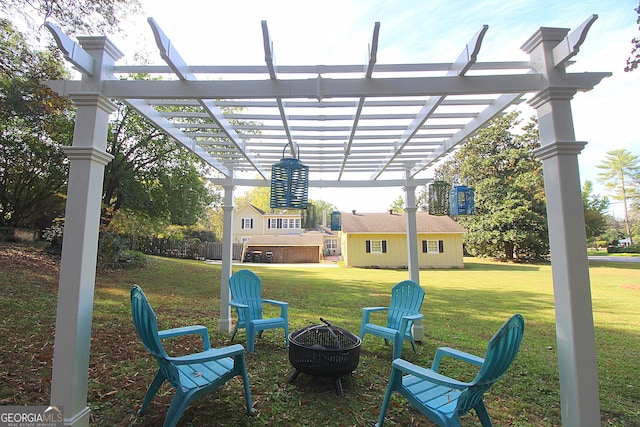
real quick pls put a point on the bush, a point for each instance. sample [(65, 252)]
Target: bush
[(54, 235), (631, 249), (113, 253)]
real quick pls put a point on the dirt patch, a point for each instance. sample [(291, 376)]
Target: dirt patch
[(14, 256), (635, 287)]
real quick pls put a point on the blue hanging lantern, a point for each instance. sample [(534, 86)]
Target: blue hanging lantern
[(336, 221), (289, 183), (439, 198), (461, 200)]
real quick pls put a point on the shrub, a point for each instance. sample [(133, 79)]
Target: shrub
[(113, 253), (631, 249)]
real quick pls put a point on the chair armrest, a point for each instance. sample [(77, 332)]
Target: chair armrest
[(366, 313), (237, 304), (284, 306), (413, 317), (274, 302), (372, 309), (456, 354), (188, 330), (428, 375), (407, 321), (209, 355)]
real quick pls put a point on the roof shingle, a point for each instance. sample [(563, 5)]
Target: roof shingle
[(397, 223)]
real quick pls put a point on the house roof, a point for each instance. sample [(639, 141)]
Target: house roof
[(397, 223), (258, 209), (306, 239), (263, 213)]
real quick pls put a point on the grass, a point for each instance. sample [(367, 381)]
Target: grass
[(603, 252), (462, 309)]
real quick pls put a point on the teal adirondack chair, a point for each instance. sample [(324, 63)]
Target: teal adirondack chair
[(246, 299), (444, 400), (193, 375), (406, 302)]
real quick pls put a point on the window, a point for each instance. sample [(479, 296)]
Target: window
[(376, 246), (275, 222), (247, 222), (433, 246), (331, 244), (285, 223)]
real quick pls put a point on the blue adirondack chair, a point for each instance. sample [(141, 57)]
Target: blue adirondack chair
[(444, 400), (406, 302), (246, 299), (193, 375)]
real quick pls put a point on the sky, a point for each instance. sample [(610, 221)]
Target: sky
[(331, 32)]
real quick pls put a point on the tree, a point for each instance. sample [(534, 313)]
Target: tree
[(86, 16), (397, 205), (321, 213), (634, 58), (150, 173), (621, 175), (34, 126), (260, 197), (510, 211), (595, 212)]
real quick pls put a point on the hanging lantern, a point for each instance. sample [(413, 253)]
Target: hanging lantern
[(289, 183), (336, 221), (439, 198), (461, 199)]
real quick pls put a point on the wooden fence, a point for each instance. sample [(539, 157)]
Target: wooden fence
[(191, 249)]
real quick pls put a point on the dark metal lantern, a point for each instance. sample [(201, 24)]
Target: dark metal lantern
[(336, 221), (289, 183), (439, 198), (462, 200)]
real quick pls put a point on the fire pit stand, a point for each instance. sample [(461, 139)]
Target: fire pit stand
[(324, 350)]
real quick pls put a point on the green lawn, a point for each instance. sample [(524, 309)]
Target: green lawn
[(462, 309)]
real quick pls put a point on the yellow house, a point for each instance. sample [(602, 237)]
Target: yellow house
[(380, 240), (249, 221)]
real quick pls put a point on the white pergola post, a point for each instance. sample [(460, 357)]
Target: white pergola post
[(80, 245), (580, 402), (412, 248), (227, 259)]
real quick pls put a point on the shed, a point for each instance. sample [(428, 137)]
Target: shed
[(380, 240), (288, 248)]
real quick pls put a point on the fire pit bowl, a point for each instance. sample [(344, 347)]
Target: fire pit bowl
[(324, 350)]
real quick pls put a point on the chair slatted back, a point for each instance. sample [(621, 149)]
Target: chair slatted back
[(406, 298), (146, 324), (501, 351), (245, 289)]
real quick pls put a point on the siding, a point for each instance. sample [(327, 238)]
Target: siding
[(238, 231), (452, 257), (396, 255)]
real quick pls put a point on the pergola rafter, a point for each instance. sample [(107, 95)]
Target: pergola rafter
[(459, 68), (377, 125), (171, 56)]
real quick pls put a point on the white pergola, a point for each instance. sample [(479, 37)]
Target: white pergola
[(362, 125)]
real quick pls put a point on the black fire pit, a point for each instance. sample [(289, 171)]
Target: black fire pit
[(325, 351)]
